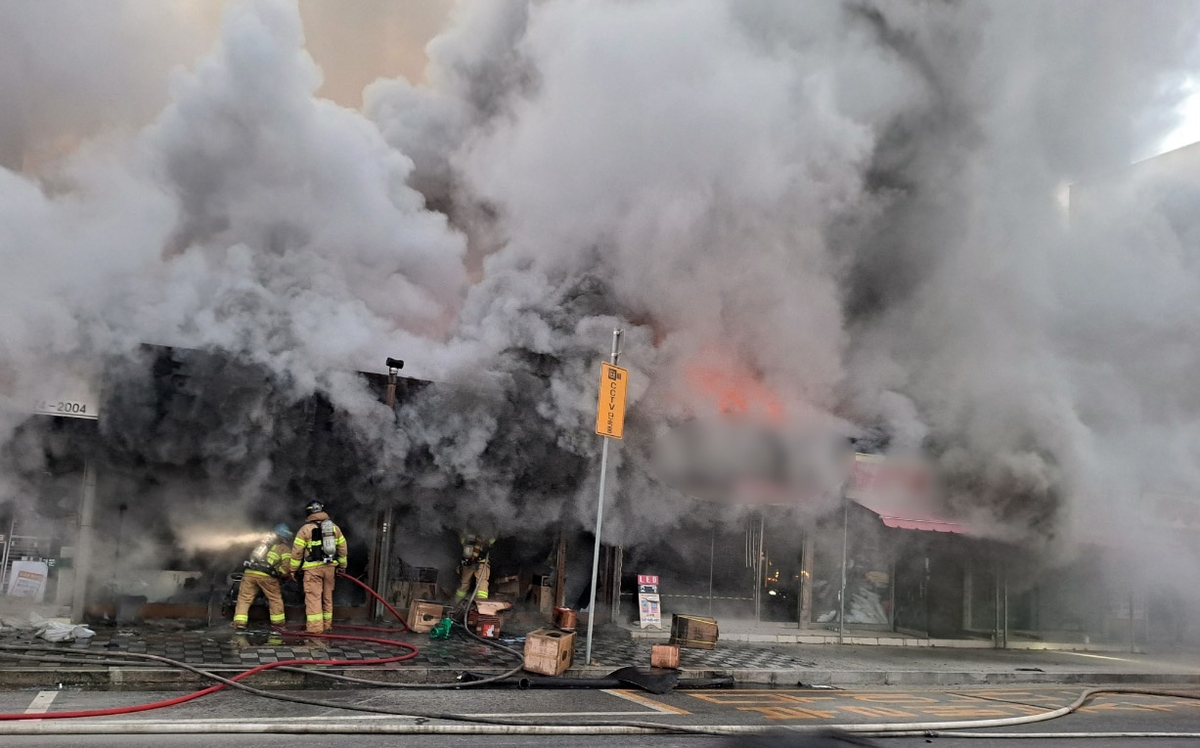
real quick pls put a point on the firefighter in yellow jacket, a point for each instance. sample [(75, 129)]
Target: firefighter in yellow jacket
[(476, 565), (320, 550), (269, 561)]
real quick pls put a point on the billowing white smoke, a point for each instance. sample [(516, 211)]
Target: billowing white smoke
[(852, 202), (848, 203)]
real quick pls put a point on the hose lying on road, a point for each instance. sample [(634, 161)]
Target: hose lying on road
[(10, 723), (284, 665), (476, 683), (221, 681), (494, 726), (503, 727), (379, 598), (47, 722), (616, 679)]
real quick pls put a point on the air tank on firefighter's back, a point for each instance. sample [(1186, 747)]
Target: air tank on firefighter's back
[(743, 461)]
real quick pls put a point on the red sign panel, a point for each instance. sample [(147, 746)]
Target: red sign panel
[(647, 579)]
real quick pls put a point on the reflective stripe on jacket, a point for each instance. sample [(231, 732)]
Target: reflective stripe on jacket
[(308, 538), (279, 558)]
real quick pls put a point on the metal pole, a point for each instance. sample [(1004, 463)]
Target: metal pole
[(83, 548), (12, 525), (996, 586), (712, 555), (892, 593), (845, 549), (616, 352), (1132, 630), (1004, 571), (758, 566), (806, 578), (618, 572)]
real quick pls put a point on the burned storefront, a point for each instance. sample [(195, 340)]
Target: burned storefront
[(193, 456), (197, 454), (876, 557)]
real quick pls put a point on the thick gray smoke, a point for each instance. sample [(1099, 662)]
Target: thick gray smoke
[(839, 217)]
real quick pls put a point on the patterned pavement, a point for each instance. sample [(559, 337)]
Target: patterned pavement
[(223, 647)]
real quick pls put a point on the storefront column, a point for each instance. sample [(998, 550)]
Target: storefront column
[(82, 561), (845, 552), (807, 556), (380, 566), (560, 572)]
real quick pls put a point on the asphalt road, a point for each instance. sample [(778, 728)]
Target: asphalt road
[(758, 707)]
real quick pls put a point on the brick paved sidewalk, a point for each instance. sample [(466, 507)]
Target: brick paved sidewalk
[(220, 646)]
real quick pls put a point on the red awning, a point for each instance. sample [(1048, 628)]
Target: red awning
[(931, 525), (912, 515)]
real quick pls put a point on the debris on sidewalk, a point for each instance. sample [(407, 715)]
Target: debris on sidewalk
[(56, 630)]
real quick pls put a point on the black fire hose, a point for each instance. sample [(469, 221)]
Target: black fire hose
[(646, 681)]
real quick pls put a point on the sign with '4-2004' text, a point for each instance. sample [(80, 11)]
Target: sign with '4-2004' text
[(610, 415), (67, 392)]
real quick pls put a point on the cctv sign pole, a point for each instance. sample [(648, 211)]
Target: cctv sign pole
[(610, 424)]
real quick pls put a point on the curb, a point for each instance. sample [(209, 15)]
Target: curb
[(863, 640), (154, 679)]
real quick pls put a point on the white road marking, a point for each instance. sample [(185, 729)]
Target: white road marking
[(1098, 657), (41, 703)]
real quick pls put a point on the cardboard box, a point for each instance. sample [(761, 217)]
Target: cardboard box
[(423, 615), (492, 607), (510, 585), (664, 655), (402, 594), (549, 652), (696, 632)]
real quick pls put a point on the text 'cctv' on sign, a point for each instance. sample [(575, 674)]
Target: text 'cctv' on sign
[(610, 415)]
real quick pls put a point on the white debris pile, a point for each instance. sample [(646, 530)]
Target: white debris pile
[(866, 607), (58, 631), (30, 620), (50, 629)]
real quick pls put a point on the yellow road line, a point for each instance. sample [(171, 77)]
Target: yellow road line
[(651, 703)]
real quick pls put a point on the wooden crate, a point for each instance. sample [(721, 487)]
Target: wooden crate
[(402, 594), (696, 632), (423, 615), (549, 652), (664, 655)]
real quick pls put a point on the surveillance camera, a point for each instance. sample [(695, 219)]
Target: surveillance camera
[(395, 363)]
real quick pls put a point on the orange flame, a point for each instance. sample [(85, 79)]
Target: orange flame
[(734, 391)]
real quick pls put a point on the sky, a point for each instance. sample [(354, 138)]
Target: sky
[(1188, 131)]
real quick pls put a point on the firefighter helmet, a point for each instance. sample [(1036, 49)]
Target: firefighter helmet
[(313, 507), (282, 532)]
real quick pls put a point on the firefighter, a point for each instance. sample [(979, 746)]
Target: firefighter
[(269, 561), (320, 550), (475, 565)]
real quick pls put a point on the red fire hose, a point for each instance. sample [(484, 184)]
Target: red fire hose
[(377, 596), (411, 653)]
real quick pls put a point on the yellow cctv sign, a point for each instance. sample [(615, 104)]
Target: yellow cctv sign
[(610, 414)]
